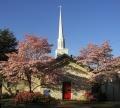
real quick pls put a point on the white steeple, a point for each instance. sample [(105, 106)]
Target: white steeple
[(61, 41)]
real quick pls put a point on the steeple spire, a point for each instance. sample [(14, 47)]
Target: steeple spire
[(61, 41)]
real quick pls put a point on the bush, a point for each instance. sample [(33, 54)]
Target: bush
[(89, 96), (34, 97), (27, 97), (47, 99), (7, 96)]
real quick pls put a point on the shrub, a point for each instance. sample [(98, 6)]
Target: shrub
[(89, 96), (47, 99), (27, 97), (34, 97), (7, 96)]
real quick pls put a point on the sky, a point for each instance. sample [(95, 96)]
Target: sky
[(84, 21)]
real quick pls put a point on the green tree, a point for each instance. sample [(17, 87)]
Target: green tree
[(8, 43)]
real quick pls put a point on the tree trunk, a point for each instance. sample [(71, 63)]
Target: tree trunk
[(30, 82), (0, 88), (29, 79), (30, 88)]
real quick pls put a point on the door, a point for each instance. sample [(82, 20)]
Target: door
[(67, 90)]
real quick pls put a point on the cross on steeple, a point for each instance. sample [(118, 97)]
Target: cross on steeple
[(60, 7)]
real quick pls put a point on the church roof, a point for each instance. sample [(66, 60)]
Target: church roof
[(65, 60)]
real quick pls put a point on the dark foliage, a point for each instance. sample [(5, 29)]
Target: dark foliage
[(8, 43), (7, 96)]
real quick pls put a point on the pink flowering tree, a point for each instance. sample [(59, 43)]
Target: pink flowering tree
[(95, 56), (31, 57)]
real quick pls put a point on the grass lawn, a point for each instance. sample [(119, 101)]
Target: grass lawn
[(76, 104), (8, 103)]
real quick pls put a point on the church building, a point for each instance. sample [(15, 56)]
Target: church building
[(75, 80)]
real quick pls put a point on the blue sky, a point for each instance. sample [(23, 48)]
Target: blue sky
[(84, 21)]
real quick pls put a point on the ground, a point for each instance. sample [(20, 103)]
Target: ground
[(63, 104)]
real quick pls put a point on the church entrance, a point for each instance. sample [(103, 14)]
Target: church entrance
[(66, 91)]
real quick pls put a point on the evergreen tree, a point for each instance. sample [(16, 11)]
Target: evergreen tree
[(8, 43)]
